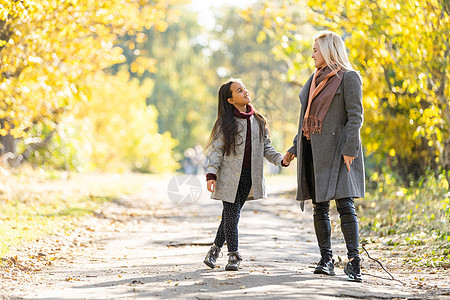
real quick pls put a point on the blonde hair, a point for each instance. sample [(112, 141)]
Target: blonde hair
[(333, 51)]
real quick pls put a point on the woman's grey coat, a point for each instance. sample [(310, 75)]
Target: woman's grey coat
[(228, 167), (340, 136)]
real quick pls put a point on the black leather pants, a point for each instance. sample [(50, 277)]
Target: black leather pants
[(322, 224), (349, 226)]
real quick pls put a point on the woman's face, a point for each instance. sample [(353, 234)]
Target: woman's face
[(319, 61)]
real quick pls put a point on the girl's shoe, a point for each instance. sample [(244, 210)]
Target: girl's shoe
[(234, 259), (211, 256)]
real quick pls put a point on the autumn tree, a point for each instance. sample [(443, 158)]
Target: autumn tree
[(122, 129), (52, 50), (184, 92)]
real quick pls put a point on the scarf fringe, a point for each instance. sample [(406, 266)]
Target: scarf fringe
[(322, 94), (311, 125)]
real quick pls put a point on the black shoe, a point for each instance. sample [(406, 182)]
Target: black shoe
[(211, 256), (234, 259), (325, 266), (353, 270)]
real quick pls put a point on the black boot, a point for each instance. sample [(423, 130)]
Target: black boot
[(211, 256), (325, 266), (353, 270), (322, 228), (349, 225), (234, 259)]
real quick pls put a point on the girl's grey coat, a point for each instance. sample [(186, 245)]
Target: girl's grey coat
[(340, 136), (228, 167)]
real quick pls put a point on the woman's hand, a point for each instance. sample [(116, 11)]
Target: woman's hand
[(348, 160), (288, 157), (211, 185)]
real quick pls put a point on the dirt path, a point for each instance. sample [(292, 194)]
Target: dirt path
[(147, 247)]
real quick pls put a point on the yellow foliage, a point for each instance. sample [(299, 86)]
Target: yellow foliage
[(401, 49), (53, 56), (49, 49), (124, 129)]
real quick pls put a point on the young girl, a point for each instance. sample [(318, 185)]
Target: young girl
[(238, 142)]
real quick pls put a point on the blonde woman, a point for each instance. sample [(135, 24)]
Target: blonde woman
[(328, 148)]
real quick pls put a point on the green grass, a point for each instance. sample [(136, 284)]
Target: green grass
[(415, 219), (412, 222), (38, 203)]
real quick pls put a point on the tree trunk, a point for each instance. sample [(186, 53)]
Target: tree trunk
[(8, 147), (8, 144), (446, 155)]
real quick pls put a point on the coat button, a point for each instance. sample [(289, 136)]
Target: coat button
[(239, 156), (237, 174)]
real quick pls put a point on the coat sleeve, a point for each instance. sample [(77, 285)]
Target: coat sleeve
[(270, 153), (354, 109), (215, 154), (293, 149)]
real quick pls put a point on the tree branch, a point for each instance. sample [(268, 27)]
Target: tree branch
[(35, 146)]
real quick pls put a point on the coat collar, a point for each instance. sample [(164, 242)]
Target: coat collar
[(304, 92)]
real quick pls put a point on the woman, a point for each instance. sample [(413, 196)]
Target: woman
[(328, 145)]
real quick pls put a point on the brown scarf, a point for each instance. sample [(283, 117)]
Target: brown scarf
[(323, 88)]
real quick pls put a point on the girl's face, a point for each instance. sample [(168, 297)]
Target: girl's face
[(319, 61), (240, 96)]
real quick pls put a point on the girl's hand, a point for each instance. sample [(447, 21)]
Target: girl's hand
[(288, 157), (211, 185), (348, 160)]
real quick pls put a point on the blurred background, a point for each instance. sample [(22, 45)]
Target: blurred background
[(99, 99), (132, 84)]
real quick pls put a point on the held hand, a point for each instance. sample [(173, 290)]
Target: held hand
[(288, 157), (211, 185), (348, 160), (291, 155)]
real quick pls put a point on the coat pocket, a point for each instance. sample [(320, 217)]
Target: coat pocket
[(335, 169)]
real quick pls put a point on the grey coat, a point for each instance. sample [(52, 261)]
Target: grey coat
[(340, 136), (228, 167)]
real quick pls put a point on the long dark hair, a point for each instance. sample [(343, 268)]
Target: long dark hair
[(226, 123)]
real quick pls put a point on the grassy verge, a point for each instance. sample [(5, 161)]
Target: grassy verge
[(37, 203), (408, 225), (413, 222)]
